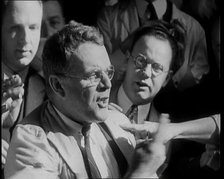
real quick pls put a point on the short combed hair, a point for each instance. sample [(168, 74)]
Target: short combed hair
[(174, 32), (60, 47)]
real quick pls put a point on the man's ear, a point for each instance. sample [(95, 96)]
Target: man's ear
[(56, 85), (168, 78)]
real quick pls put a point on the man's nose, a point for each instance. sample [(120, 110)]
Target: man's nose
[(105, 82), (147, 71), (24, 35)]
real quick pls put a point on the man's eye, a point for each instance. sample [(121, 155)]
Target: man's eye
[(34, 27), (157, 67), (91, 76), (140, 62), (55, 24), (14, 29)]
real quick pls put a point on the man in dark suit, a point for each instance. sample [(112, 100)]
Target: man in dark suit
[(22, 88)]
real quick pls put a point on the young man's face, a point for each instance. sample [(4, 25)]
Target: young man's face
[(21, 33), (142, 84), (88, 101)]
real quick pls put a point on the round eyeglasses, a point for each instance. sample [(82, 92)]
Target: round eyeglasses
[(141, 62)]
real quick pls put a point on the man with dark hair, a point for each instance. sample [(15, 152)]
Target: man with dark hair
[(74, 134), (154, 54)]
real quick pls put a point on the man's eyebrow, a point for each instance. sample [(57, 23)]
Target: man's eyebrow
[(55, 17), (147, 58)]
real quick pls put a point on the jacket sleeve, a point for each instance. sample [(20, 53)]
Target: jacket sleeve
[(30, 155)]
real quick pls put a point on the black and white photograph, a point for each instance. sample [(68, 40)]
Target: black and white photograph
[(111, 89)]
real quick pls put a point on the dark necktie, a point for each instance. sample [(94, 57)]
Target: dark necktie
[(132, 113), (150, 12), (91, 167)]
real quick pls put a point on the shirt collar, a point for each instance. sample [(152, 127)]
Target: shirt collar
[(72, 125), (126, 103)]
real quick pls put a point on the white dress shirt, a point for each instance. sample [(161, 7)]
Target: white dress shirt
[(144, 111), (49, 143), (101, 151), (125, 103)]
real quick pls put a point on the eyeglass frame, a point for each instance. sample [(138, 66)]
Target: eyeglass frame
[(93, 82), (147, 61)]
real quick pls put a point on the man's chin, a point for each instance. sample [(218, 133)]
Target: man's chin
[(102, 114), (24, 61), (143, 98)]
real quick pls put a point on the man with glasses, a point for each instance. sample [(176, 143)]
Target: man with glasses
[(152, 59), (74, 134), (153, 53)]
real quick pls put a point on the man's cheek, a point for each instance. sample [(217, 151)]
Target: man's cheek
[(88, 96)]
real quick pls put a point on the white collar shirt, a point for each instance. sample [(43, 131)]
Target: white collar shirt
[(102, 154), (125, 103)]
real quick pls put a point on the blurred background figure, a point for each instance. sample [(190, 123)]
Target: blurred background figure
[(22, 89), (205, 11), (216, 42), (110, 2), (52, 21), (178, 3), (202, 10)]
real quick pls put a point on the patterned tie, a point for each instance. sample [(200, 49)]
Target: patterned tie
[(132, 114), (92, 170)]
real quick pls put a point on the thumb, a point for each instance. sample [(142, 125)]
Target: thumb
[(128, 127), (164, 118), (159, 135)]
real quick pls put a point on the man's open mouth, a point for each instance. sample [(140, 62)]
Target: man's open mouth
[(102, 102)]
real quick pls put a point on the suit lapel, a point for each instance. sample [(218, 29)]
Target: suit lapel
[(35, 93), (153, 115)]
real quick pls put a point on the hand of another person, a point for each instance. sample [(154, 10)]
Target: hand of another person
[(5, 147), (168, 130), (12, 93), (148, 129), (149, 155), (143, 131)]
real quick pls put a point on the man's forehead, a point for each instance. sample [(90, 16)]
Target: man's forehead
[(91, 54), (17, 9)]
